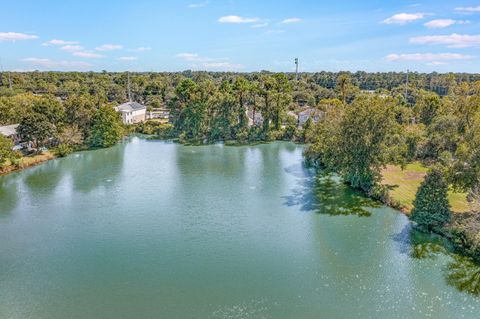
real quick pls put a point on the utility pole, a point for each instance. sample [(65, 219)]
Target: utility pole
[(406, 88), (128, 87), (1, 73), (296, 69)]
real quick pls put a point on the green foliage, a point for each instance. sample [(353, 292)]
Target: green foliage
[(63, 150), (36, 127), (414, 140), (431, 207), (51, 108), (357, 141), (79, 111), (14, 108), (465, 234), (427, 107), (106, 128), (6, 152)]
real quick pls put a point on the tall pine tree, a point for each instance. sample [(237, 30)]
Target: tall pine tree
[(431, 208)]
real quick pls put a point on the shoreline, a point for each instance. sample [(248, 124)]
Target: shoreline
[(27, 162)]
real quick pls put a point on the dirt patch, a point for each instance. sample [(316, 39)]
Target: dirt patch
[(414, 175)]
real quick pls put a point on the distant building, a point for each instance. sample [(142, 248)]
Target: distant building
[(257, 121), (132, 112), (10, 131), (158, 114), (315, 114)]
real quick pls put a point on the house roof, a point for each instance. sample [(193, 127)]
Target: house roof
[(258, 115), (9, 130), (130, 106), (310, 112)]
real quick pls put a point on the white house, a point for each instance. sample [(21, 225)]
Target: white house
[(315, 114), (132, 112), (10, 131), (257, 121)]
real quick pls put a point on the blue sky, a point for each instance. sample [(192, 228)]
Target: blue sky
[(236, 35)]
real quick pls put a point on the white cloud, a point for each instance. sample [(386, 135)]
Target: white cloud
[(59, 42), (71, 48), (87, 54), (452, 41), (127, 58), (260, 25), (291, 20), (14, 36), (141, 49), (223, 66), (403, 18), (443, 23), (468, 10), (52, 64), (109, 47), (198, 5), (434, 63), (237, 19), (275, 31), (427, 57), (204, 63), (192, 57)]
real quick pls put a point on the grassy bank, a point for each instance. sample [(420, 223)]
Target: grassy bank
[(404, 183), (27, 161)]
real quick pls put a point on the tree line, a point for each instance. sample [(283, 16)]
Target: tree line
[(370, 120), (358, 139)]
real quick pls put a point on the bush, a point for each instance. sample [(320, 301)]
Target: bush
[(290, 132), (165, 131), (465, 234), (63, 150)]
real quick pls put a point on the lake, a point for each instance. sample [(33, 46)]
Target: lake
[(151, 229)]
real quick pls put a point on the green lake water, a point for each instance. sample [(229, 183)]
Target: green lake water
[(150, 229)]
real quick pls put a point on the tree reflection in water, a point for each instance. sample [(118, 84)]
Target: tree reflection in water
[(326, 194), (464, 274), (461, 272)]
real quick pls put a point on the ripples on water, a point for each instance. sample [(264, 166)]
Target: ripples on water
[(460, 272), (154, 230), (326, 194)]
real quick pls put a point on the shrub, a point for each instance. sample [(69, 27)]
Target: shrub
[(63, 150)]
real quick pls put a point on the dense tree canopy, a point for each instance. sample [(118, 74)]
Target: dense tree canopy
[(106, 128)]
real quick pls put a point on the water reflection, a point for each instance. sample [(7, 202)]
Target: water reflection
[(326, 194), (43, 179), (461, 272), (97, 168), (8, 195), (464, 274)]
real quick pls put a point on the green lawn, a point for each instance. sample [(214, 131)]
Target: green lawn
[(405, 183)]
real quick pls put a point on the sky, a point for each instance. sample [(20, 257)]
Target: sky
[(243, 36)]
